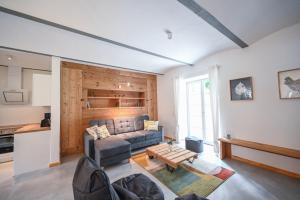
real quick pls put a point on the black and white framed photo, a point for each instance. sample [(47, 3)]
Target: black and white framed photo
[(241, 89), (289, 84)]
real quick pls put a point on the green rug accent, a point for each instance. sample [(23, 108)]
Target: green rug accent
[(182, 181)]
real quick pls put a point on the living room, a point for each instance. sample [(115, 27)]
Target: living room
[(186, 99)]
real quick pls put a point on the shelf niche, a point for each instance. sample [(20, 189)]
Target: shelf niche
[(108, 99)]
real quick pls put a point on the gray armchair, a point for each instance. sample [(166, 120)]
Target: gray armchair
[(92, 183)]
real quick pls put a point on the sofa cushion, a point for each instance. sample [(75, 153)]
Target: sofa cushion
[(139, 122), (132, 137), (151, 134), (109, 123), (150, 125), (111, 146), (93, 131), (124, 125), (102, 132)]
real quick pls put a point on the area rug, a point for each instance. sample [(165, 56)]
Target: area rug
[(200, 177)]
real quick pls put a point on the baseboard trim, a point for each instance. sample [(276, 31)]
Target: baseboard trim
[(53, 164), (267, 167)]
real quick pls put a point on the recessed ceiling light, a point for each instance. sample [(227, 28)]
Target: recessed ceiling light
[(9, 58)]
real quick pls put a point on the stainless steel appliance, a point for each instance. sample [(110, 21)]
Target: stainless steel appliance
[(6, 144)]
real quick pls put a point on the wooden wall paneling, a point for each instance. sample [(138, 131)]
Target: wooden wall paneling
[(152, 98), (109, 81), (71, 111), (114, 93), (102, 82)]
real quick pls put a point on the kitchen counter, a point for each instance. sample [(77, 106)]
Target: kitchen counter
[(31, 128), (24, 128)]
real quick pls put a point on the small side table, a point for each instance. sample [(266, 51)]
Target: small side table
[(194, 144)]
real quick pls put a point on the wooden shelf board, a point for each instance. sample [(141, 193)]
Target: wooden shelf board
[(114, 98), (115, 107), (116, 90), (263, 147)]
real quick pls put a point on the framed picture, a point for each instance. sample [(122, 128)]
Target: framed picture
[(241, 89), (289, 84)]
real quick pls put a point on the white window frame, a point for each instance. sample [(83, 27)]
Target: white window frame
[(190, 81)]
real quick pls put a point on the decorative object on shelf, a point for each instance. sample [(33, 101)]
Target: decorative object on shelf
[(88, 104), (289, 84), (46, 122), (228, 136), (241, 89)]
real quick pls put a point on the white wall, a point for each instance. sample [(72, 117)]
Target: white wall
[(266, 119), (21, 114), (55, 111)]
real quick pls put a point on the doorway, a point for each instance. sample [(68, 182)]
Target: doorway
[(198, 109)]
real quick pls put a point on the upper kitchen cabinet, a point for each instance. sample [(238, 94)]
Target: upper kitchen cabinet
[(41, 90)]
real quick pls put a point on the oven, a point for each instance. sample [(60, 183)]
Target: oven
[(6, 143)]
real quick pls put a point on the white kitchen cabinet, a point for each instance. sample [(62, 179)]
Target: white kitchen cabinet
[(41, 90), (31, 151)]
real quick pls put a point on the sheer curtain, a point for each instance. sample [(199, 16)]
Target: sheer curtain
[(215, 108), (178, 95)]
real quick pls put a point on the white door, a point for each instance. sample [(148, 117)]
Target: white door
[(199, 117)]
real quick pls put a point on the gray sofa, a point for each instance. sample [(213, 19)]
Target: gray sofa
[(127, 134)]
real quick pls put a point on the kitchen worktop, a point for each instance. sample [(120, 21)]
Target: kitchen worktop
[(25, 128), (31, 128)]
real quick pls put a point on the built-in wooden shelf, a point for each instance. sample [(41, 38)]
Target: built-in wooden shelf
[(114, 107), (98, 99), (115, 98)]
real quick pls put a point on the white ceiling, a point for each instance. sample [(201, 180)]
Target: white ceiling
[(27, 60), (251, 20), (142, 23)]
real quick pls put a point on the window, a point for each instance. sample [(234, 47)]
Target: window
[(199, 116)]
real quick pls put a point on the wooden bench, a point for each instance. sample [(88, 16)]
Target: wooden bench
[(225, 152), (225, 145)]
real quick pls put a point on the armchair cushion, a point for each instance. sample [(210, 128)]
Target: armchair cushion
[(190, 197), (91, 183), (140, 185)]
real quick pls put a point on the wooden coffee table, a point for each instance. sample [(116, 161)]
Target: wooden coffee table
[(172, 157)]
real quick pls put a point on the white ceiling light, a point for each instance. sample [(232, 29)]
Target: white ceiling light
[(9, 58)]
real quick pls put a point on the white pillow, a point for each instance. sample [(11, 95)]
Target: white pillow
[(102, 132), (93, 131)]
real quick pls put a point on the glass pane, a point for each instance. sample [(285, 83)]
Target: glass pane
[(194, 109)]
